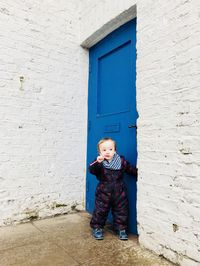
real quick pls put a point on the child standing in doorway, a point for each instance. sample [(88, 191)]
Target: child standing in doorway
[(111, 192)]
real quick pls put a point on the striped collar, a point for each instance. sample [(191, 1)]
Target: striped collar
[(114, 164)]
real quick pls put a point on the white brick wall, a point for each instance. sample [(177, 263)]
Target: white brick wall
[(168, 100), (43, 118)]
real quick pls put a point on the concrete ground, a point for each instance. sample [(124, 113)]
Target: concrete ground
[(66, 240)]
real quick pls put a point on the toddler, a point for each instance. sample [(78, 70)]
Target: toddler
[(111, 192)]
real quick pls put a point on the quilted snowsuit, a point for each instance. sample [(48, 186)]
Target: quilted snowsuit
[(111, 193)]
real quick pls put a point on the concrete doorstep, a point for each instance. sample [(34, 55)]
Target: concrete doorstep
[(66, 240)]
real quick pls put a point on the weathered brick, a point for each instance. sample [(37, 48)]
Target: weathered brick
[(43, 117), (42, 168)]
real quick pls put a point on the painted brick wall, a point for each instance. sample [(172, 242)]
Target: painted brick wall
[(43, 117), (168, 99), (43, 113), (168, 102)]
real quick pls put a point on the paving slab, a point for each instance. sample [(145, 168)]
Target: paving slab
[(66, 241)]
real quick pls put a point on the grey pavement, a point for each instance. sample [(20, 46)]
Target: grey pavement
[(66, 241)]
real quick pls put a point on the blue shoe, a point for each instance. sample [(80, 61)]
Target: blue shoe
[(123, 235), (97, 233)]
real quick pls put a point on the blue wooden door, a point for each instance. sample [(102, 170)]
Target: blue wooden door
[(112, 105)]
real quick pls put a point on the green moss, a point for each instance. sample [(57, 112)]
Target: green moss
[(58, 205)]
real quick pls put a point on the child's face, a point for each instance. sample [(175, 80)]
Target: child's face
[(107, 149)]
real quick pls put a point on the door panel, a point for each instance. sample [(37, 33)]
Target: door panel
[(112, 105), (116, 87)]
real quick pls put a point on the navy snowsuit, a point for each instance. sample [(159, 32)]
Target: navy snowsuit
[(111, 193)]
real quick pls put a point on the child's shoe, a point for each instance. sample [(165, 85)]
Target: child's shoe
[(97, 233), (123, 235)]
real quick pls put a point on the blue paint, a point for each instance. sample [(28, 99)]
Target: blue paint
[(112, 105)]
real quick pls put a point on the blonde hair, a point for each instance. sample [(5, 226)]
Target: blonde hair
[(104, 140)]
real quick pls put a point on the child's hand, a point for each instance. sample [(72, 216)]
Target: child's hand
[(100, 159)]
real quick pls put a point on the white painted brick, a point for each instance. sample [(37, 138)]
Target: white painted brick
[(43, 122), (167, 84), (42, 132)]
